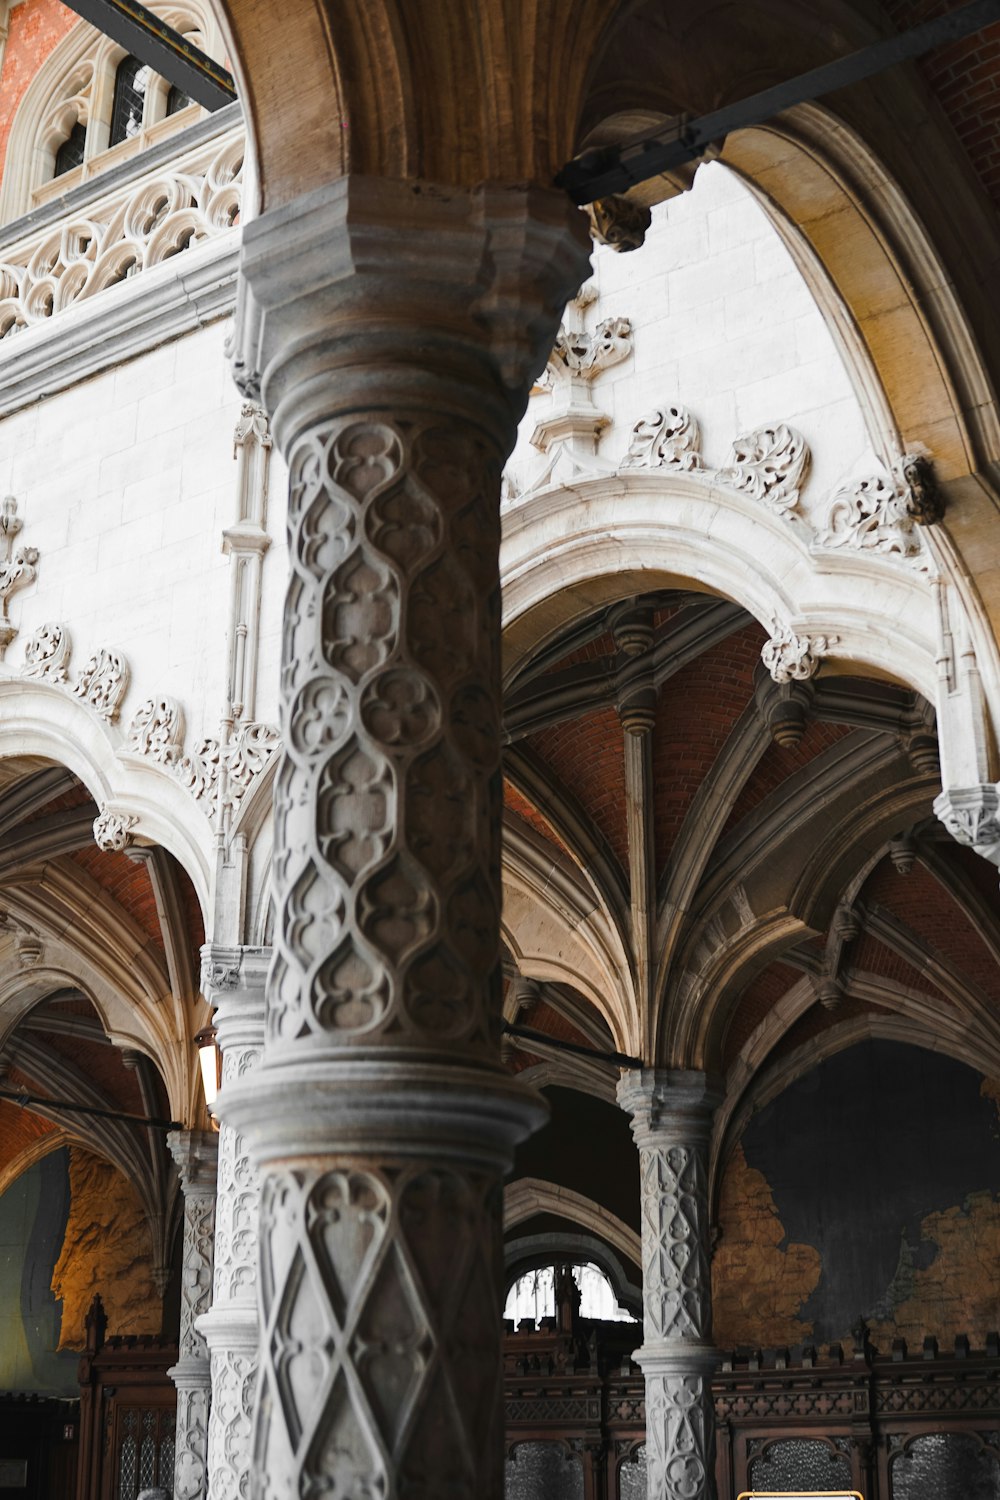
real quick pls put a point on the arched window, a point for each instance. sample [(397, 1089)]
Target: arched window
[(131, 82), (70, 153)]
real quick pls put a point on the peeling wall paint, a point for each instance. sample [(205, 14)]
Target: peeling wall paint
[(870, 1187), (106, 1249)]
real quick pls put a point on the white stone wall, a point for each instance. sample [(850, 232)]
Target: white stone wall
[(125, 484), (724, 323)]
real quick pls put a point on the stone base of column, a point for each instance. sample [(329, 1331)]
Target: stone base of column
[(233, 1335)]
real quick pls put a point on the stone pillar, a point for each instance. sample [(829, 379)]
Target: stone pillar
[(233, 981), (393, 329), (671, 1123), (194, 1151)]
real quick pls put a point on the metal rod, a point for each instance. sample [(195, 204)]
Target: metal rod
[(31, 1101), (620, 1059), (151, 40), (613, 169)]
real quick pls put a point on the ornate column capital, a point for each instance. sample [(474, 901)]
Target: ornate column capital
[(196, 1153), (669, 1104), (233, 981), (340, 288)]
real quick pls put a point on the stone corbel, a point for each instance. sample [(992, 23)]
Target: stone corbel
[(227, 970), (619, 223), (794, 658), (972, 816), (784, 705)]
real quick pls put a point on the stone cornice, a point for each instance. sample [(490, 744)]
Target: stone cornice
[(184, 294)]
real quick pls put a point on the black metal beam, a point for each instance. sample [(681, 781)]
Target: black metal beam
[(542, 1038), (37, 1105), (145, 36), (611, 170)]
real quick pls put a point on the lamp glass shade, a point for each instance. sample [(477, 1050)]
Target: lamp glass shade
[(210, 1058)]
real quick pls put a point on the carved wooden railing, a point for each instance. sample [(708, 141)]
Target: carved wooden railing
[(888, 1425)]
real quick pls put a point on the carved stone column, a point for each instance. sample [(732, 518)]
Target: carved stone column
[(194, 1151), (395, 329), (233, 981), (671, 1123)]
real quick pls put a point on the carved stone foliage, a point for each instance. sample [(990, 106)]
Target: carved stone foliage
[(972, 817), (794, 658), (103, 683), (770, 463), (47, 652), (124, 233), (157, 730), (383, 803), (871, 514), (668, 438), (584, 354), (380, 1287), (17, 567), (113, 830)]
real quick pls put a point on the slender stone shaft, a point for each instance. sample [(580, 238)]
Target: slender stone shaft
[(194, 1151), (396, 328), (233, 981), (671, 1123)]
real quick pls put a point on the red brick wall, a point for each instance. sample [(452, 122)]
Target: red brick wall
[(36, 27), (965, 76)]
